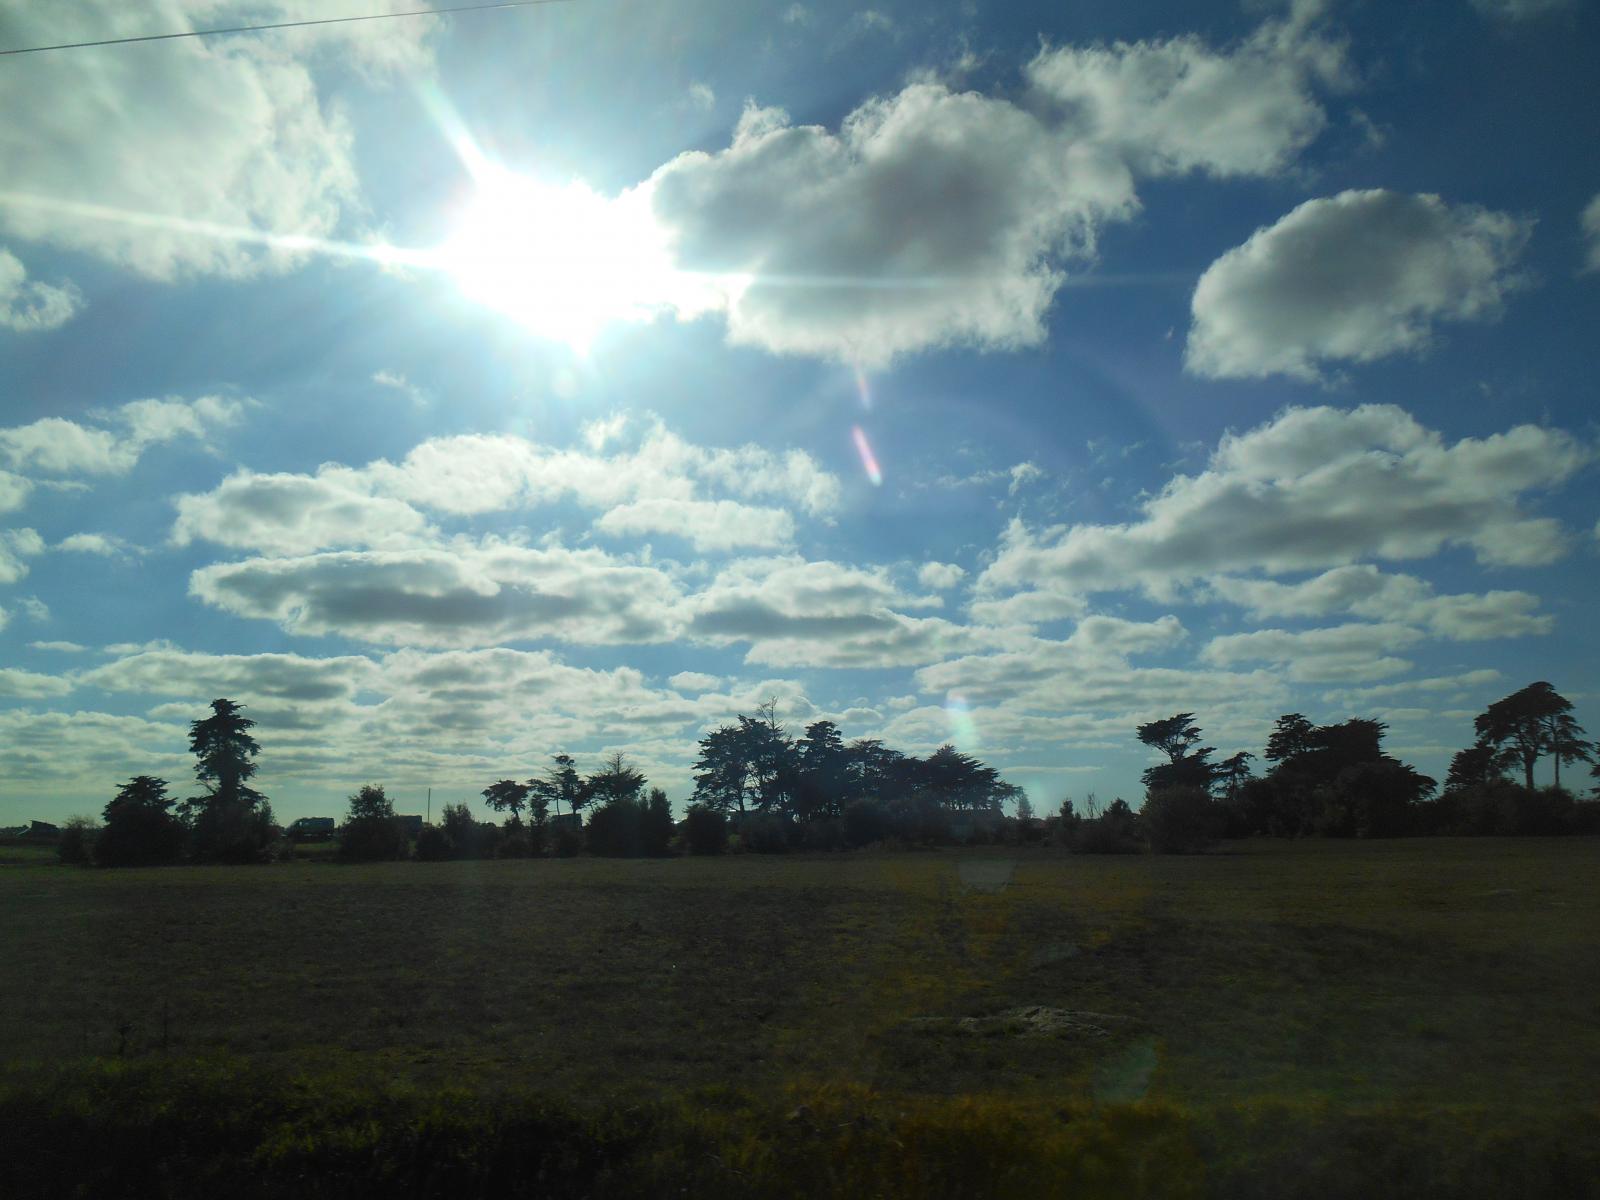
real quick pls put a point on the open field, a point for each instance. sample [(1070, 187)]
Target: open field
[(1454, 980)]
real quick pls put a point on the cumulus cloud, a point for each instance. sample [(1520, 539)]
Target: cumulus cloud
[(29, 685), (195, 167), (1364, 591), (654, 486), (30, 306), (709, 524), (466, 594), (15, 546), (930, 218), (938, 576), (57, 446), (1339, 653), (1351, 278), (104, 545), (295, 514), (1311, 489), (14, 491), (1179, 105), (795, 612)]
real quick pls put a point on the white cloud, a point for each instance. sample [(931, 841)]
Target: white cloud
[(189, 168), (16, 545), (29, 685), (1590, 221), (702, 96), (695, 681), (1313, 488), (1178, 105), (798, 613), (797, 14), (14, 491), (1022, 475), (58, 647), (710, 524), (55, 445), (1342, 652), (1364, 591), (930, 218), (938, 576), (296, 514), (33, 307), (1351, 278), (105, 545), (1465, 683), (464, 594)]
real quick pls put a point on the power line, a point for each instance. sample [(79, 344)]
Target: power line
[(162, 37)]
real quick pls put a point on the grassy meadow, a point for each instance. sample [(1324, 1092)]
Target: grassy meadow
[(1276, 1018)]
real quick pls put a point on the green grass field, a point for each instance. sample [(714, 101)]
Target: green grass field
[(1451, 982)]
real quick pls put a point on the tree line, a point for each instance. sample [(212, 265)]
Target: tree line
[(758, 788)]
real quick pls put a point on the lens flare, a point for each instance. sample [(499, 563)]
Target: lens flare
[(963, 729), (869, 460), (863, 389)]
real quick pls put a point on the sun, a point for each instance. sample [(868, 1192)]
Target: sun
[(561, 259)]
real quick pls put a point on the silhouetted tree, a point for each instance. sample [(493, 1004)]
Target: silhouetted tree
[(1181, 820), (614, 782), (1566, 742), (1291, 736), (656, 825), (747, 765), (960, 781), (507, 794), (823, 766), (1521, 723), (1188, 765), (1479, 763), (1233, 773), (371, 831), (563, 783), (705, 830), (140, 829), (232, 822)]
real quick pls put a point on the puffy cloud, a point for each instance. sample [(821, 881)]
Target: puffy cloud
[(14, 491), (195, 167), (16, 545), (1351, 278), (88, 748), (104, 545), (1313, 488), (57, 647), (465, 594), (818, 613), (938, 576), (1342, 652), (54, 445), (287, 677), (709, 524), (295, 514), (930, 218), (1590, 222), (652, 487), (695, 681), (1462, 684), (1364, 591), (1178, 105), (33, 307)]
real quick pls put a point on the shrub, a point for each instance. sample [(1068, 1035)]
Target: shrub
[(656, 825), (78, 835), (566, 841), (232, 831), (764, 833), (371, 833), (705, 830), (865, 822), (614, 829), (514, 841), (1181, 820), (433, 845)]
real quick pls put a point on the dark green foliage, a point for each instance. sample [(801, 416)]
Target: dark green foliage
[(1114, 831), (705, 830), (656, 826), (76, 845), (1478, 764), (1187, 765), (614, 830), (1521, 726), (371, 832), (433, 845), (1181, 820), (231, 822), (140, 829), (765, 833), (566, 839), (1372, 799), (236, 831), (507, 795), (616, 782), (865, 823)]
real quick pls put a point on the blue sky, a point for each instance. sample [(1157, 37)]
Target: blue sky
[(458, 392)]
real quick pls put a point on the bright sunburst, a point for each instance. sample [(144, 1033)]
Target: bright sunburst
[(561, 259)]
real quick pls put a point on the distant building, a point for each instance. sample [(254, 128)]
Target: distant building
[(311, 829), (41, 831)]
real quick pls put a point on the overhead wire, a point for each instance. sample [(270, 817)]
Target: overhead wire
[(188, 33)]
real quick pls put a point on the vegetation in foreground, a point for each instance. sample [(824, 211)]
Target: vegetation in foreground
[(1310, 1014)]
